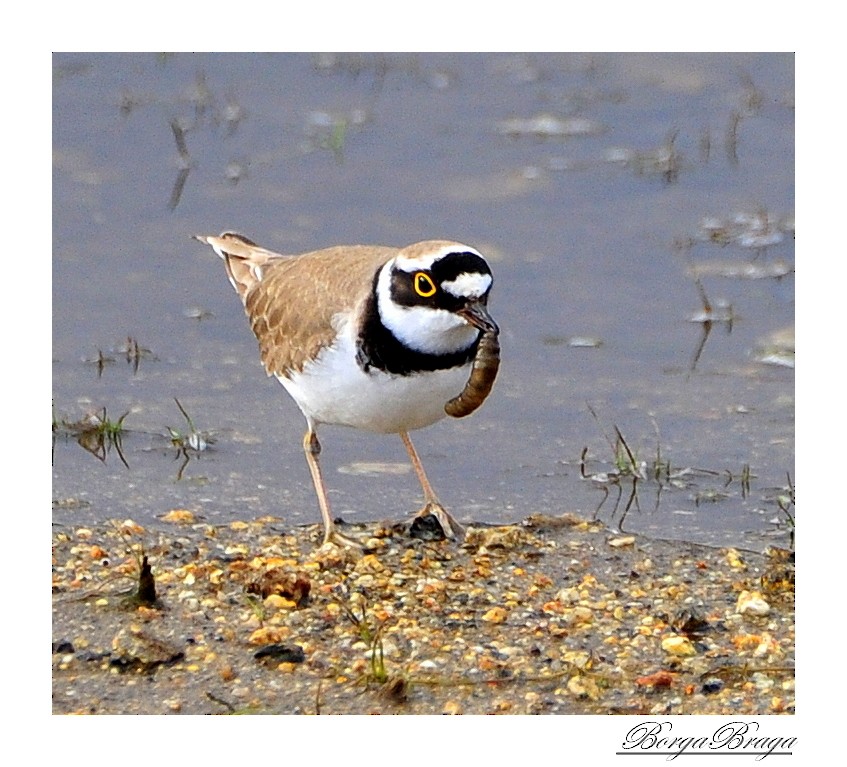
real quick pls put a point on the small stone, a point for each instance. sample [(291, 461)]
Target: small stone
[(293, 586), (734, 560), (678, 645), (752, 603), (656, 680), (618, 543), (63, 647), (580, 615), (179, 516), (281, 653), (128, 526), (495, 615), (568, 596), (134, 648), (369, 564), (576, 687), (277, 602), (767, 646), (507, 537), (267, 635)]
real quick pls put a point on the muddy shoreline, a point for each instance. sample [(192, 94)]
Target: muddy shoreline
[(555, 615)]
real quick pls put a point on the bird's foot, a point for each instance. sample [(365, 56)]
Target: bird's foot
[(434, 523), (334, 538)]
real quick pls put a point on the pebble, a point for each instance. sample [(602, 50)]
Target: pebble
[(568, 596), (752, 603), (277, 602), (678, 645), (63, 647), (711, 686), (179, 516), (495, 615), (657, 680), (137, 647), (617, 543), (281, 653)]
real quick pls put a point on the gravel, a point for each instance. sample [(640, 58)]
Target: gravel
[(556, 615)]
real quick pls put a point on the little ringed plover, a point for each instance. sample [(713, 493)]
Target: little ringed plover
[(382, 339)]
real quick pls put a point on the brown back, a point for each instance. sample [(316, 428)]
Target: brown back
[(291, 301)]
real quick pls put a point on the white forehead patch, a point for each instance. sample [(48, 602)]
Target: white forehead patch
[(468, 285), (426, 260)]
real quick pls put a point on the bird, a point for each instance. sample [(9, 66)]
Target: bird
[(381, 339)]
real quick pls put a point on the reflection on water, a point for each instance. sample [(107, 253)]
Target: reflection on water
[(643, 202)]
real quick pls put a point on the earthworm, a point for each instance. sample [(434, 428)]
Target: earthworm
[(483, 372)]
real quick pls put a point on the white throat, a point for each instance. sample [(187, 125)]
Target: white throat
[(427, 330)]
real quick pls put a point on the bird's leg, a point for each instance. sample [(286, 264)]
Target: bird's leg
[(451, 527), (312, 448)]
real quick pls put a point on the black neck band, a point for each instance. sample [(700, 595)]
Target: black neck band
[(377, 347)]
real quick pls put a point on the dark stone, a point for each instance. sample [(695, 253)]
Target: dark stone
[(281, 653), (426, 528), (691, 622), (62, 647)]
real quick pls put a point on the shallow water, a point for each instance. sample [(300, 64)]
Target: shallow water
[(595, 184)]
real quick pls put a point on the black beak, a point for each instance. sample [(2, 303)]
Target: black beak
[(476, 313)]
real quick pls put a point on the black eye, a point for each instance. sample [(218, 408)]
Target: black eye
[(424, 286)]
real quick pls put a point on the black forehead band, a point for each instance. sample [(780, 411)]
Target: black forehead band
[(449, 267)]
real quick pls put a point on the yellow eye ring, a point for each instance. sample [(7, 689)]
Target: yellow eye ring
[(424, 286)]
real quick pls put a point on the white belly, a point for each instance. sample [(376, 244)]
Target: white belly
[(335, 390)]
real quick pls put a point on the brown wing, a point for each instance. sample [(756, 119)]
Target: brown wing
[(291, 300), (242, 257)]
